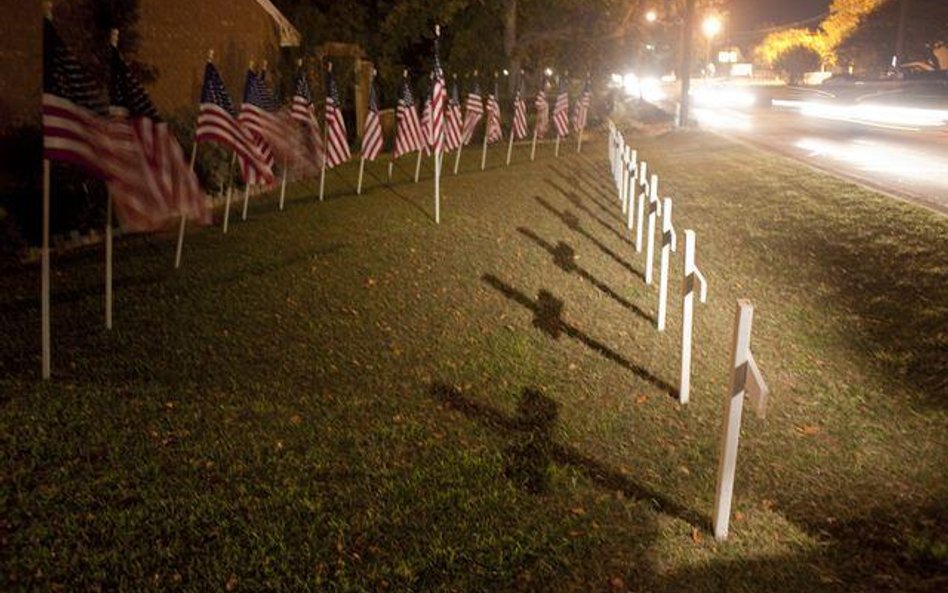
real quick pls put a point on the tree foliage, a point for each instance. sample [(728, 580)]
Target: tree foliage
[(843, 19)]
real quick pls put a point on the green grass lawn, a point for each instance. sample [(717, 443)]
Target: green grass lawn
[(344, 396)]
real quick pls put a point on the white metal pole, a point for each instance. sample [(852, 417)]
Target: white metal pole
[(361, 171), (283, 185), (108, 262), (533, 149), (230, 191), (579, 141), (510, 146), (640, 208), (692, 276), (246, 201), (457, 158), (733, 408), (391, 165), (669, 244), (418, 166), (437, 186), (623, 184), (556, 151), (44, 274), (654, 210), (184, 217), (484, 150)]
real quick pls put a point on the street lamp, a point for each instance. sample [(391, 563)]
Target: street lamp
[(651, 16), (711, 27)]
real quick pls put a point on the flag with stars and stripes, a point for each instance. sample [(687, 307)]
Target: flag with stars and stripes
[(439, 103), (217, 122), (519, 129), (254, 118), (473, 110), (426, 122), (73, 105), (303, 111), (582, 108), (372, 133), (452, 127), (165, 186), (337, 145), (543, 111), (561, 110), (408, 134), (494, 131)]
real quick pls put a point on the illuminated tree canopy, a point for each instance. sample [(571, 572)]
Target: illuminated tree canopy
[(843, 19)]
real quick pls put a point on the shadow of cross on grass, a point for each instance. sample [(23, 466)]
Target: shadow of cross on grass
[(572, 223), (577, 201), (532, 449), (565, 258), (547, 317)]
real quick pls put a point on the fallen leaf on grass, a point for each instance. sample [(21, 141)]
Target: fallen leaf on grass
[(617, 584), (641, 399), (696, 535), (578, 511), (808, 429), (296, 419)]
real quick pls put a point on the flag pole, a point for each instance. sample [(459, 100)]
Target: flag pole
[(184, 218), (556, 152), (418, 165), (283, 184), (533, 149), (487, 130), (246, 201), (510, 145), (44, 273), (457, 157), (361, 171), (108, 262), (230, 189), (438, 143), (322, 172)]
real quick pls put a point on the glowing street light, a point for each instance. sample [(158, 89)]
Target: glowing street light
[(711, 26), (651, 16)]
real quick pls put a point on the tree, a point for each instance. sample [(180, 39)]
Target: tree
[(796, 62), (872, 46)]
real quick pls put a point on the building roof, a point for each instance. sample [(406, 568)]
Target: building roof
[(289, 36)]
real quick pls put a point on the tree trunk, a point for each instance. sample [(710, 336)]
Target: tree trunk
[(510, 43)]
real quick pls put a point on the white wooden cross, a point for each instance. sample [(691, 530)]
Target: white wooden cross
[(640, 214), (632, 180), (654, 211), (746, 380), (669, 244), (692, 276)]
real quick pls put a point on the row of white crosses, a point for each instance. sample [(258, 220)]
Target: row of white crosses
[(641, 206)]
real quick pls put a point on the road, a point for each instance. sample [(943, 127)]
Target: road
[(908, 160)]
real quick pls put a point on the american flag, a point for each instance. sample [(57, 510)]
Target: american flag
[(473, 110), (372, 134), (494, 131), (561, 110), (302, 110), (519, 130), (439, 103), (336, 141), (582, 108), (426, 121), (165, 185), (408, 135), (543, 110), (452, 129), (216, 122), (72, 104), (255, 119)]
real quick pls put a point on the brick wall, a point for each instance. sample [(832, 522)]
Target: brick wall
[(175, 36)]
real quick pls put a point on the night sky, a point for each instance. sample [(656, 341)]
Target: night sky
[(755, 14)]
